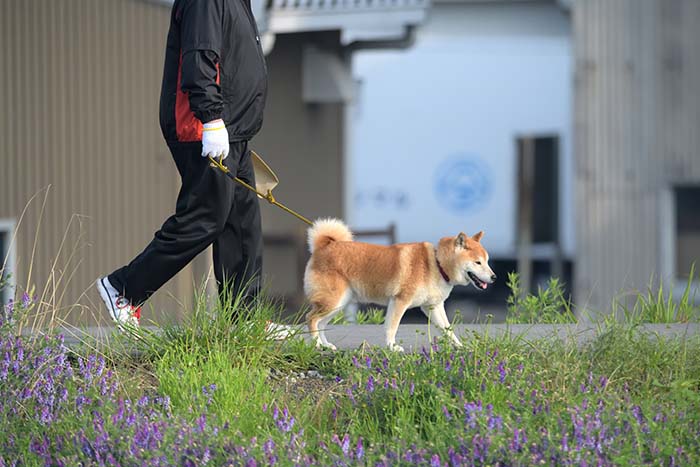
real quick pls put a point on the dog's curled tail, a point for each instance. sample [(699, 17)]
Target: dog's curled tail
[(325, 231)]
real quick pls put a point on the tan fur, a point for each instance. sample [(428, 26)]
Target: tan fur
[(400, 276)]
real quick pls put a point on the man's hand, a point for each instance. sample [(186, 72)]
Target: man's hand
[(215, 140)]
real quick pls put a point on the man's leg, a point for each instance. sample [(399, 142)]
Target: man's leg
[(203, 205), (238, 249)]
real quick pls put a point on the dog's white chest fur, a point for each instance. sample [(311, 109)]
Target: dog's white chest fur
[(432, 295)]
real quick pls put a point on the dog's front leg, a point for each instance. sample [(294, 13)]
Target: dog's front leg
[(438, 316), (394, 313)]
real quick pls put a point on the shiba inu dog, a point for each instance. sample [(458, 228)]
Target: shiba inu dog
[(399, 276)]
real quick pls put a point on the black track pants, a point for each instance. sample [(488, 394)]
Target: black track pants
[(210, 208)]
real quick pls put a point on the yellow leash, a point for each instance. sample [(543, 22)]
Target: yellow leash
[(270, 199)]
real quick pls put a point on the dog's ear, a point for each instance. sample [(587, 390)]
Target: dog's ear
[(461, 240), (477, 236)]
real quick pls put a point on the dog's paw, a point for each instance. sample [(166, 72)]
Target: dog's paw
[(456, 341), (328, 346), (396, 348)]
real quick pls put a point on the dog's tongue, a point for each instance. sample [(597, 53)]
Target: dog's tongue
[(483, 285)]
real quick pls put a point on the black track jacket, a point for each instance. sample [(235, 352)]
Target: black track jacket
[(214, 68)]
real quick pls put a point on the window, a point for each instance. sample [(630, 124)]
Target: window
[(687, 237), (537, 234), (538, 186), (7, 259)]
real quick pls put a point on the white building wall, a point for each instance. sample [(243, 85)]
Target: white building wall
[(477, 77)]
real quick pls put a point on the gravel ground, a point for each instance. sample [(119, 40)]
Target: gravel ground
[(307, 384)]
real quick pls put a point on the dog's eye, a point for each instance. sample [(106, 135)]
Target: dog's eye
[(479, 263)]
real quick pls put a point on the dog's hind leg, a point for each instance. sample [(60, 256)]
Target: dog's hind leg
[(395, 311), (322, 310), (438, 317)]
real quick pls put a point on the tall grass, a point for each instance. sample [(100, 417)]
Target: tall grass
[(48, 295), (660, 306), (548, 306), (217, 390), (211, 397)]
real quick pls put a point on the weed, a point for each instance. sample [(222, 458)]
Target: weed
[(660, 306), (368, 316), (548, 306)]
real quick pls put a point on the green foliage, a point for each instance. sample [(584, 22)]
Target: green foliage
[(208, 380), (547, 306), (534, 386), (230, 326), (223, 386), (4, 280), (660, 307), (633, 394), (369, 316)]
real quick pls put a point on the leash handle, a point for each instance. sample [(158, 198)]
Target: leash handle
[(269, 197)]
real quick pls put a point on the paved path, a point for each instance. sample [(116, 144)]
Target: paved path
[(414, 336)]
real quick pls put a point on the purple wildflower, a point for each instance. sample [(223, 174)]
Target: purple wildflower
[(502, 372), (284, 423), (345, 446), (269, 450), (370, 384), (446, 413), (9, 309), (519, 440), (494, 422)]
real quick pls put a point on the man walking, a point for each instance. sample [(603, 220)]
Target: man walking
[(211, 104)]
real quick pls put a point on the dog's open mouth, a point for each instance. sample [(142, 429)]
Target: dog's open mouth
[(476, 281)]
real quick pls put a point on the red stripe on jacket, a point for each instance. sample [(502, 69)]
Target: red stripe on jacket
[(187, 127)]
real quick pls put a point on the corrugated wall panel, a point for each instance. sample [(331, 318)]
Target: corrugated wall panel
[(80, 88), (637, 118)]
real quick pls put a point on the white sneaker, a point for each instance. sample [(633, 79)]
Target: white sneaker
[(277, 331), (119, 307)]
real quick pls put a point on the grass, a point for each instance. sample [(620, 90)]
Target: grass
[(368, 316), (217, 391), (659, 306), (548, 306)]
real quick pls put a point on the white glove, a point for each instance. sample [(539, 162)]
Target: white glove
[(215, 140)]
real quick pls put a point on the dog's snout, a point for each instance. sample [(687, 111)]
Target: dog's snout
[(493, 277)]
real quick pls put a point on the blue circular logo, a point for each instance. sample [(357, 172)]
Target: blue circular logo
[(463, 183)]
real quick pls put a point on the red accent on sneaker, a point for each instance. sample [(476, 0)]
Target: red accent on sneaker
[(137, 313)]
